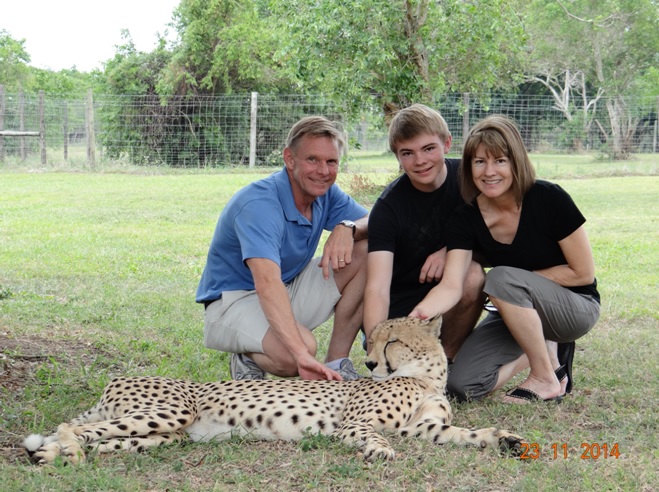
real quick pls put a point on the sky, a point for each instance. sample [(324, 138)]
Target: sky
[(59, 34)]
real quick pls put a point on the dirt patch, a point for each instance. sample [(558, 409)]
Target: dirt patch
[(20, 358)]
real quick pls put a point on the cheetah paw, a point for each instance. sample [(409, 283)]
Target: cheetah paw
[(510, 444), (378, 452)]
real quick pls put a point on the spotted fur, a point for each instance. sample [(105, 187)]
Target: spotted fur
[(404, 396)]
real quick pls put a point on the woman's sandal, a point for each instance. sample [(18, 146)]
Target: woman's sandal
[(532, 396), (565, 359)]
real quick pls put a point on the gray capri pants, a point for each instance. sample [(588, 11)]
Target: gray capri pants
[(236, 323), (565, 315)]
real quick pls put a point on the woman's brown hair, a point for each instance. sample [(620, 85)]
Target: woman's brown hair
[(500, 137)]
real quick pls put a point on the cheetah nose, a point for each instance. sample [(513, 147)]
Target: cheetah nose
[(371, 365)]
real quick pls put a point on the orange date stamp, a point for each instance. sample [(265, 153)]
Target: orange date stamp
[(588, 451)]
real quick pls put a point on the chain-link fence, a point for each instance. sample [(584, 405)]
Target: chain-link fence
[(250, 129)]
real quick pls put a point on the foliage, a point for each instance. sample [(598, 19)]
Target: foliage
[(196, 130), (362, 188), (402, 51), (611, 43), (369, 57), (66, 83), (138, 127), (16, 74), (13, 62), (225, 46), (648, 83), (133, 72)]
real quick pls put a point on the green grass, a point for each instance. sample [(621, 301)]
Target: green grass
[(97, 279)]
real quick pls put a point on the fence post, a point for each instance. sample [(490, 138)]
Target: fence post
[(42, 127), (89, 130), (66, 131), (252, 131), (656, 129), (2, 122), (465, 117), (21, 123)]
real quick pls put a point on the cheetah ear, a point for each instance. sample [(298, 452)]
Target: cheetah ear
[(434, 325)]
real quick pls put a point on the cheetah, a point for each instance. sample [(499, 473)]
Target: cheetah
[(405, 395)]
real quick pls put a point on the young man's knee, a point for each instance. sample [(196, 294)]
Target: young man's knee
[(360, 252), (355, 274), (473, 285), (465, 392)]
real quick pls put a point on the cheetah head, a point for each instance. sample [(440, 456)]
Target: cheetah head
[(407, 347)]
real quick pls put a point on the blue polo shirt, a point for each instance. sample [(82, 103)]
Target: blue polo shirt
[(261, 221)]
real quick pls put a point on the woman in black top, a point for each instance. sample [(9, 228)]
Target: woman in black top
[(541, 284)]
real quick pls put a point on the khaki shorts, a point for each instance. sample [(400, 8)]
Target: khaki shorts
[(236, 323)]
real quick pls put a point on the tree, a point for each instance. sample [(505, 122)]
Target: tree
[(572, 99), (67, 83), (402, 51), (132, 72), (134, 127), (610, 43), (13, 62), (15, 73), (225, 46)]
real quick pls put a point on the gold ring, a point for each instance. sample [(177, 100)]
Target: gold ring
[(341, 261)]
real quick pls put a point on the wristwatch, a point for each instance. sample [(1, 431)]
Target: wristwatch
[(351, 224)]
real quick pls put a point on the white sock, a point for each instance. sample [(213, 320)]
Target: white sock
[(335, 365)]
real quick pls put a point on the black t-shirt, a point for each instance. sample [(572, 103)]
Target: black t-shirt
[(548, 215), (412, 225)]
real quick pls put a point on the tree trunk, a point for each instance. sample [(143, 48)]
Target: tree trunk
[(616, 114)]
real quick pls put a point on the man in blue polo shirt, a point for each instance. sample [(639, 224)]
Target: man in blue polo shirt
[(263, 289)]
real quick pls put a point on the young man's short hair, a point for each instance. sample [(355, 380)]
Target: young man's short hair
[(417, 119)]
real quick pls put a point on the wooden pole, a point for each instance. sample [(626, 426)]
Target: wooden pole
[(252, 131), (42, 127), (21, 124), (656, 129), (465, 118), (91, 137), (2, 122), (66, 131)]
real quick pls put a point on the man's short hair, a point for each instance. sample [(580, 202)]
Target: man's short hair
[(417, 119), (317, 126)]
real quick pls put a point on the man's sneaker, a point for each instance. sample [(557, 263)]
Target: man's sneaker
[(242, 368), (347, 371)]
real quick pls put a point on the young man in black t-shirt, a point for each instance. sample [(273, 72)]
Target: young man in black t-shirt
[(407, 242)]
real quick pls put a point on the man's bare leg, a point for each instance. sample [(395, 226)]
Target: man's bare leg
[(276, 359), (349, 311)]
